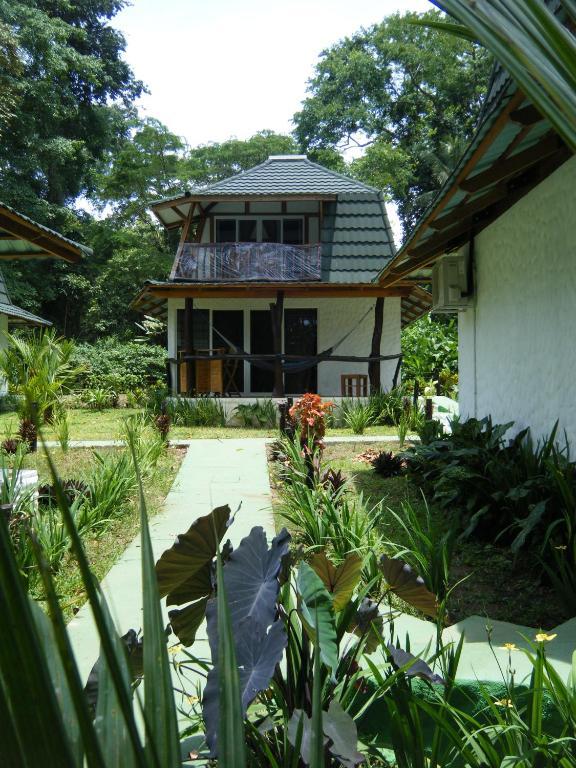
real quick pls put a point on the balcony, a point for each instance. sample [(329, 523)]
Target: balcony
[(245, 262)]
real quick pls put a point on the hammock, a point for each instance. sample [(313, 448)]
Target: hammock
[(300, 365)]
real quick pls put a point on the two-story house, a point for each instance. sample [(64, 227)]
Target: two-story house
[(274, 281)]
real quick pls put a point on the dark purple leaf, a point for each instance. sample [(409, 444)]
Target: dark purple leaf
[(417, 668)]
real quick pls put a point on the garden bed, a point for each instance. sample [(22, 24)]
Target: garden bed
[(105, 544), (493, 582)]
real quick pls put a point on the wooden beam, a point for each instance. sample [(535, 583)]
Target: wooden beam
[(374, 367), (465, 210), (238, 199), (504, 169), (242, 291), (31, 233), (277, 316), (488, 139), (425, 253), (189, 343)]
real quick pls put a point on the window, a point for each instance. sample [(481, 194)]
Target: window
[(293, 231), (225, 230), (261, 230)]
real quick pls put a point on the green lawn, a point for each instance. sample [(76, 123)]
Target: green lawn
[(85, 424)]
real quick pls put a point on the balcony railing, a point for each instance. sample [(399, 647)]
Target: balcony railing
[(242, 262)]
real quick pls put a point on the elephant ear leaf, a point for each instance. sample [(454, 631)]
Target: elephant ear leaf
[(410, 587), (258, 650), (251, 576), (340, 581), (412, 665), (340, 728), (185, 572), (317, 614), (191, 551)]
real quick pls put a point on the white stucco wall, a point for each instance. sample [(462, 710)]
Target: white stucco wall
[(335, 318), (518, 342)]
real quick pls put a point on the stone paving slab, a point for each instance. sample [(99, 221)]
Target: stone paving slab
[(213, 472)]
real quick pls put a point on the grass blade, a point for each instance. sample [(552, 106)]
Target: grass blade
[(231, 745), (159, 704), (107, 644), (24, 677)]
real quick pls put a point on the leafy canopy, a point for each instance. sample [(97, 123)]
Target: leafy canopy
[(404, 92)]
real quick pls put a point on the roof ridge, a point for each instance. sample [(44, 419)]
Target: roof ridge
[(342, 176)]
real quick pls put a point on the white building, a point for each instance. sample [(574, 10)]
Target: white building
[(280, 262), (502, 236)]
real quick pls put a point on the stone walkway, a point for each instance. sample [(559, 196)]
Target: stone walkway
[(213, 472)]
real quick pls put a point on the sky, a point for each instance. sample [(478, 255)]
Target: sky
[(222, 68)]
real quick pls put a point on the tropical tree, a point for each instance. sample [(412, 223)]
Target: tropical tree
[(39, 368), (400, 93), (533, 43)]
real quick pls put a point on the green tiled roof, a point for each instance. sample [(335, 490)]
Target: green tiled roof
[(356, 238), (284, 175)]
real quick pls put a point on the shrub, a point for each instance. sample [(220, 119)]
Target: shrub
[(121, 366), (162, 424), (40, 368), (357, 415), (197, 412), (99, 398), (262, 414), (387, 464), (309, 415)]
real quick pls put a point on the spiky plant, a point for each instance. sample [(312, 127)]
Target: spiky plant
[(162, 424), (387, 464), (333, 480), (28, 433), (10, 445)]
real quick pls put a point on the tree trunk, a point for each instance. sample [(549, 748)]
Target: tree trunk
[(189, 343)]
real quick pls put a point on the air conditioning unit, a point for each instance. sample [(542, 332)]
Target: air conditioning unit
[(450, 278)]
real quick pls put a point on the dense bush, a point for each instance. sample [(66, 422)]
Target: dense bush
[(516, 493), (119, 366)]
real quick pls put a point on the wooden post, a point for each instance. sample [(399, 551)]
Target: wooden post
[(374, 366), (277, 315), (189, 342)]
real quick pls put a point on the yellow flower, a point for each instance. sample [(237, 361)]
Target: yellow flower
[(542, 637), (507, 703), (510, 646), (175, 649), (193, 699)]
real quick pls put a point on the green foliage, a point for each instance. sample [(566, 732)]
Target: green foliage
[(261, 414), (40, 368), (196, 412), (37, 661), (357, 415), (98, 398), (430, 347), (530, 41), (516, 493), (119, 366), (403, 91), (74, 91)]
